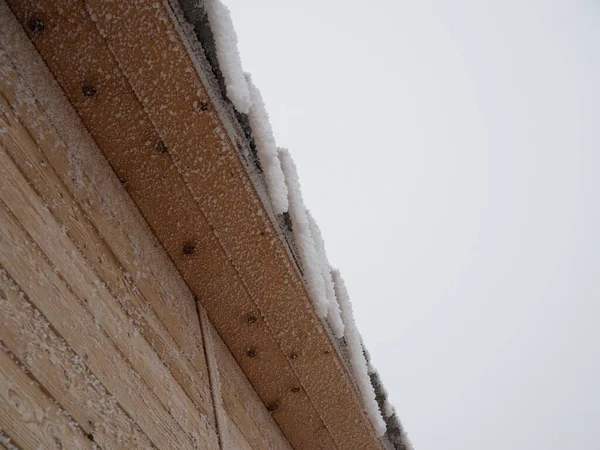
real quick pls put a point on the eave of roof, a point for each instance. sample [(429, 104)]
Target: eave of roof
[(152, 90)]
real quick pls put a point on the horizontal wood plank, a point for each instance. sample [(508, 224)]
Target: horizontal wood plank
[(37, 220), (28, 266), (34, 163), (30, 337), (30, 417)]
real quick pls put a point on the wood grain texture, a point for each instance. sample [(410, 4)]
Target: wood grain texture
[(134, 265), (92, 291), (158, 189), (34, 163), (242, 404), (30, 337), (29, 267), (199, 194), (30, 417)]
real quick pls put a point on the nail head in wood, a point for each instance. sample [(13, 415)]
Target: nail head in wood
[(273, 407), (89, 90), (251, 352), (204, 106), (161, 146), (251, 319), (293, 356), (295, 389), (36, 25), (189, 249)]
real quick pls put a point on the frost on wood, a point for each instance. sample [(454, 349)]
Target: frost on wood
[(228, 54), (267, 150), (303, 236), (357, 357), (334, 317)]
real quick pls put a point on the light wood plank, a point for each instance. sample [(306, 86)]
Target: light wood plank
[(156, 186), (214, 174), (40, 281), (235, 440), (39, 223), (133, 254), (223, 272), (30, 417), (33, 162), (243, 405), (6, 442), (30, 337)]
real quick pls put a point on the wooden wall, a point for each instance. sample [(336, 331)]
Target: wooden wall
[(101, 345)]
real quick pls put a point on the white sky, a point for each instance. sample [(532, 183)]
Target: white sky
[(450, 152)]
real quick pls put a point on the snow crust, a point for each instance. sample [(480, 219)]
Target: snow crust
[(228, 55), (334, 317), (303, 235), (267, 149), (357, 357)]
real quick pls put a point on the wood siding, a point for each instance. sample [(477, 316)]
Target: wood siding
[(100, 340)]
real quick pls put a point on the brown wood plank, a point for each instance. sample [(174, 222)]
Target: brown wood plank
[(202, 193), (243, 405), (30, 417), (213, 276), (214, 174), (30, 337), (32, 162), (27, 265), (234, 439)]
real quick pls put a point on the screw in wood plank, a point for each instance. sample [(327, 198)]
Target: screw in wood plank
[(293, 356), (295, 389), (36, 25), (89, 90), (203, 106), (189, 249), (161, 146), (251, 352), (251, 319)]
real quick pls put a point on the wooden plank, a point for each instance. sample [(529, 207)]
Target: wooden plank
[(235, 440), (205, 193), (30, 417), (30, 337), (87, 176), (6, 440), (243, 405), (34, 216), (40, 281), (215, 175), (213, 277), (32, 162)]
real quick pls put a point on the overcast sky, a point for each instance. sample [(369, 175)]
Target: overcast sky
[(450, 152)]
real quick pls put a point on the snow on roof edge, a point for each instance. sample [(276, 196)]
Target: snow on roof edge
[(267, 149), (357, 357), (225, 37), (193, 10), (334, 317), (303, 236)]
